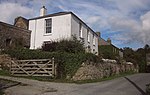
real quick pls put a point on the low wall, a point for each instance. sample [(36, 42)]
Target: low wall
[(5, 61), (101, 70), (87, 70)]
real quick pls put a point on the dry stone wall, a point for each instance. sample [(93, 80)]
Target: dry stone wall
[(88, 70), (101, 70), (5, 61)]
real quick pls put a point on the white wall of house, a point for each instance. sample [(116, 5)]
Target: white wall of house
[(75, 24), (63, 27)]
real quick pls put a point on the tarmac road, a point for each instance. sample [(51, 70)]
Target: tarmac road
[(129, 85)]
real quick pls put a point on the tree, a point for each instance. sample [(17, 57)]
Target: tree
[(129, 54)]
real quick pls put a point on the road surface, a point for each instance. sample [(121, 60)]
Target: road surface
[(129, 85)]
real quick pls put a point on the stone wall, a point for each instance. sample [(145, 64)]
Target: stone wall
[(101, 70), (11, 36), (21, 22), (5, 61)]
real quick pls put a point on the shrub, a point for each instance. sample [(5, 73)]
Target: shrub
[(50, 46), (70, 46), (21, 53)]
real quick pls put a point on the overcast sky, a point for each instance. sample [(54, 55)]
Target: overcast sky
[(126, 22)]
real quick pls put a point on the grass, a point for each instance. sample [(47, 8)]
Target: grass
[(4, 73)]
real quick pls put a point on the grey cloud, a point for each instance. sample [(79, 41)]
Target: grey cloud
[(9, 11), (123, 27)]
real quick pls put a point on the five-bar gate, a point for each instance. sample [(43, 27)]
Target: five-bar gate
[(37, 67)]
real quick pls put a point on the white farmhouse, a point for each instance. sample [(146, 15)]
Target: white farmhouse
[(62, 25)]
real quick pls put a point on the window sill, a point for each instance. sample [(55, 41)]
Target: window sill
[(48, 34), (81, 37)]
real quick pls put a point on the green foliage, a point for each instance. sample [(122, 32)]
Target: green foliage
[(129, 54), (70, 46), (107, 52), (4, 72), (67, 63), (137, 57), (21, 53)]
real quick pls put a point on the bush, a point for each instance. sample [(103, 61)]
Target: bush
[(50, 46), (21, 53), (70, 46)]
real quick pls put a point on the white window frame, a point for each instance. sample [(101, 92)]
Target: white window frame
[(48, 26), (80, 30), (94, 41), (88, 35)]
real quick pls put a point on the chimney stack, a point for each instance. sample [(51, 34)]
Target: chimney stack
[(109, 40), (99, 34), (43, 11)]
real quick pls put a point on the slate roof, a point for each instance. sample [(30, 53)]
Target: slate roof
[(63, 13)]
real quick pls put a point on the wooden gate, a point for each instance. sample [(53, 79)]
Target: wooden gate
[(37, 67)]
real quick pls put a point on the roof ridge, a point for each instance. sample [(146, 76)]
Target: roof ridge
[(53, 14)]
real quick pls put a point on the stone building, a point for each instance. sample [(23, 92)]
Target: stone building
[(12, 36), (21, 22)]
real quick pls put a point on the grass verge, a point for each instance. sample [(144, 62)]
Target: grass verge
[(4, 73)]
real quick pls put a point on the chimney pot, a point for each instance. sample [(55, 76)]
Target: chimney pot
[(43, 11)]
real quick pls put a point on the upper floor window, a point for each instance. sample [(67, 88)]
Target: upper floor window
[(80, 30), (48, 25), (88, 35), (94, 39)]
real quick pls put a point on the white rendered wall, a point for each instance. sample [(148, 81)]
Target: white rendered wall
[(75, 31), (61, 29)]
